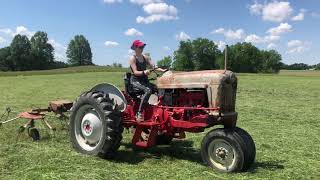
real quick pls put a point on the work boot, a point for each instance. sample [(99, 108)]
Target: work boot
[(139, 117)]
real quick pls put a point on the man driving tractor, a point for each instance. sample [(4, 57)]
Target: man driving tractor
[(139, 79)]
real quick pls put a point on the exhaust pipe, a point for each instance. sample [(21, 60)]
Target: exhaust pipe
[(225, 57)]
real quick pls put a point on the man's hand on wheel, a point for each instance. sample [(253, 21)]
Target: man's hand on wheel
[(146, 72), (163, 70), (160, 69)]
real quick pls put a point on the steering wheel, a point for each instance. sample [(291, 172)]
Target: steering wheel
[(156, 73)]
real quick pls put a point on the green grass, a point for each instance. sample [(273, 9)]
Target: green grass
[(69, 70), (281, 112)]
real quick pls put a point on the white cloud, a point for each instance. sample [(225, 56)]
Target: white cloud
[(221, 45), (282, 28), (218, 31), (238, 34), (182, 36), (56, 44), (133, 32), (59, 50), (24, 31), (256, 8), (231, 34), (272, 46), (19, 30), (166, 48), (271, 38), (158, 12), (253, 38), (300, 16), (112, 1), (294, 43), (155, 18), (7, 31), (160, 8), (111, 44), (274, 11), (297, 46), (2, 40), (143, 2)]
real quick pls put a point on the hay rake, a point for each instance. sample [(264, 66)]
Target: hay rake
[(59, 108)]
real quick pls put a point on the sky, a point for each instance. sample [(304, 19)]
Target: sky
[(290, 27)]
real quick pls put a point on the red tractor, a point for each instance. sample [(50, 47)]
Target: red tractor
[(183, 102)]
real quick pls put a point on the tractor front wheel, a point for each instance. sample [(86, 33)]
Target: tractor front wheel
[(226, 150), (95, 125)]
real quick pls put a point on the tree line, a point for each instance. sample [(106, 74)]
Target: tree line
[(301, 66), (203, 54), (37, 53)]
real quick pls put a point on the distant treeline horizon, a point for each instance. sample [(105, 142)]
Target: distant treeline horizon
[(37, 53)]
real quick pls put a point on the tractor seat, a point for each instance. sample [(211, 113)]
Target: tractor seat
[(132, 91)]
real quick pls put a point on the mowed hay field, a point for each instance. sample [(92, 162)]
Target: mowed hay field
[(281, 112)]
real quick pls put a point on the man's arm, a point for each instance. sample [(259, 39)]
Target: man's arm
[(132, 63), (153, 66)]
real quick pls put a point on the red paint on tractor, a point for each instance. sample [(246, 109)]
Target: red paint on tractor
[(190, 116)]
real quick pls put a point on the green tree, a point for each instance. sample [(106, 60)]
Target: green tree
[(41, 51), (165, 62), (5, 63), (79, 51), (20, 56), (116, 65), (199, 54), (205, 54), (183, 57), (298, 66), (244, 57), (317, 67), (271, 61)]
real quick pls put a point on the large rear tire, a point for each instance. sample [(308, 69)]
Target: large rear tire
[(224, 150), (95, 125)]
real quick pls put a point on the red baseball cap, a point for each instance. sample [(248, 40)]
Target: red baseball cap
[(137, 43)]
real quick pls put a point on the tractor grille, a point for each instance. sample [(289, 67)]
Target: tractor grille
[(228, 94)]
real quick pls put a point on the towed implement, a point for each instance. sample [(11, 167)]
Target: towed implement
[(39, 114)]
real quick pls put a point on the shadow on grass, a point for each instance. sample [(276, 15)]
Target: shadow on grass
[(182, 150), (176, 150), (267, 165)]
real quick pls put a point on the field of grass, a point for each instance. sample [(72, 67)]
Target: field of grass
[(69, 70), (281, 112)]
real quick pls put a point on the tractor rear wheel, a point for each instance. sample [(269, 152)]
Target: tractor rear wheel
[(225, 150), (95, 125)]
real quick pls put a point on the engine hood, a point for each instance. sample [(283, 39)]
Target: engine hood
[(194, 79)]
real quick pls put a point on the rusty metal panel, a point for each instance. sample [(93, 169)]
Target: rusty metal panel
[(194, 79), (60, 105), (221, 86)]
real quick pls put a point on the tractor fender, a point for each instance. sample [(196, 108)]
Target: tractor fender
[(114, 93)]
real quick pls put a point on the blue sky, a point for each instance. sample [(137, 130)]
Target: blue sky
[(291, 27)]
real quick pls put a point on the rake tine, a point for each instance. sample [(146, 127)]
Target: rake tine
[(4, 122)]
